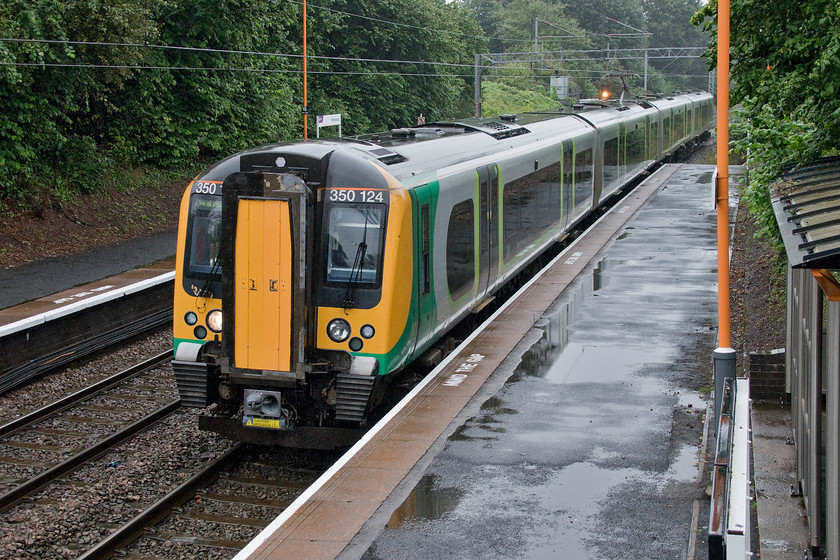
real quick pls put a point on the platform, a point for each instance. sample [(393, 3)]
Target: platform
[(94, 299)]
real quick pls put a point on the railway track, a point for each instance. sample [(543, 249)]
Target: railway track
[(219, 509), (43, 446), (120, 468)]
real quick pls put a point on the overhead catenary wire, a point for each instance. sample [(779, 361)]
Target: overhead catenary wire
[(512, 64), (226, 69), (235, 52), (508, 74)]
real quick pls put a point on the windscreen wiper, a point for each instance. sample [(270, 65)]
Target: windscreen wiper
[(208, 283), (356, 271)]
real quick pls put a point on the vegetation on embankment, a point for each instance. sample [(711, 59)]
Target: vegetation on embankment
[(785, 82)]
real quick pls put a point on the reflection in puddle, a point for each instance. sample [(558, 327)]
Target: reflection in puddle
[(685, 466), (427, 501), (704, 178), (497, 406)]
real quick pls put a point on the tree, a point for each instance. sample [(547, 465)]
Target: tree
[(374, 94), (215, 101), (89, 88), (786, 77), (669, 23), (617, 24)]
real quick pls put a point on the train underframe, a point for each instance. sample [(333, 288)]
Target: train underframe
[(322, 409)]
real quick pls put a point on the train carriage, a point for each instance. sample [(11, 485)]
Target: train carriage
[(309, 273)]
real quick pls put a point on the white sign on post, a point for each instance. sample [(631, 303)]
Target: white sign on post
[(328, 120)]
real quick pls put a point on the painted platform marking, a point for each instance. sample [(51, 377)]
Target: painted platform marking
[(463, 370), (573, 258), (81, 295)]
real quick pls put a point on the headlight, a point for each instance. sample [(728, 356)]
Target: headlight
[(191, 318), (367, 331), (214, 320), (200, 332), (338, 330)]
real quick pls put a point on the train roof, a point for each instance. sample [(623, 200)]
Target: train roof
[(415, 150), (406, 151), (502, 127)]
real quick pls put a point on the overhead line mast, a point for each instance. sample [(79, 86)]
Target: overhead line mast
[(305, 106), (723, 356)]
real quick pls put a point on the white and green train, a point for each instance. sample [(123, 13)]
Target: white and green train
[(310, 272)]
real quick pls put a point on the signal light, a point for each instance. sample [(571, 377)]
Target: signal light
[(605, 94)]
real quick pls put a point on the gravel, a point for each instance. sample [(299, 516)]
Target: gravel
[(67, 518)]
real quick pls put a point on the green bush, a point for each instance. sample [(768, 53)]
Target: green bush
[(769, 141), (499, 99)]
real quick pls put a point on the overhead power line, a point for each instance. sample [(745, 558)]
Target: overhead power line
[(593, 55), (228, 69), (232, 51), (583, 73)]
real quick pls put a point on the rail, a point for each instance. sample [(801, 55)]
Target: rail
[(18, 493), (82, 394), (136, 527), (730, 522)]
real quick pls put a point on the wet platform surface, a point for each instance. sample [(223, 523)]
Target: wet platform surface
[(34, 293), (570, 427), (592, 447), (45, 278)]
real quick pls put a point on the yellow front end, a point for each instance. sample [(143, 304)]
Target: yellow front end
[(389, 320), (197, 309)]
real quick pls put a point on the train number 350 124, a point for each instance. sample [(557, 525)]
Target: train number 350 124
[(338, 195)]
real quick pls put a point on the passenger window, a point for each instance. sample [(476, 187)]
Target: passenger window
[(460, 249)]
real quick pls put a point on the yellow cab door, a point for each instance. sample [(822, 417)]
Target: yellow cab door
[(263, 285)]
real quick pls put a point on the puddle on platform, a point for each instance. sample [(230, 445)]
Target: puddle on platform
[(704, 178), (685, 466), (566, 355), (426, 501)]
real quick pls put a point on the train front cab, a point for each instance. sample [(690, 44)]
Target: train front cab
[(315, 307)]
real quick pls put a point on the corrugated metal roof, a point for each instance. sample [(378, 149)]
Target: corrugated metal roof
[(807, 207)]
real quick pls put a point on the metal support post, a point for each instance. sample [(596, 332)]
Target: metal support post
[(724, 367), (477, 79)]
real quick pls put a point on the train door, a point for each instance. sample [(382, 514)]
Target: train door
[(264, 272), (567, 193), (488, 226), (650, 138), (621, 160), (424, 225)]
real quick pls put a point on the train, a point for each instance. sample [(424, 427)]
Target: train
[(309, 273)]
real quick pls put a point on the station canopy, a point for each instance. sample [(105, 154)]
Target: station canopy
[(807, 207)]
